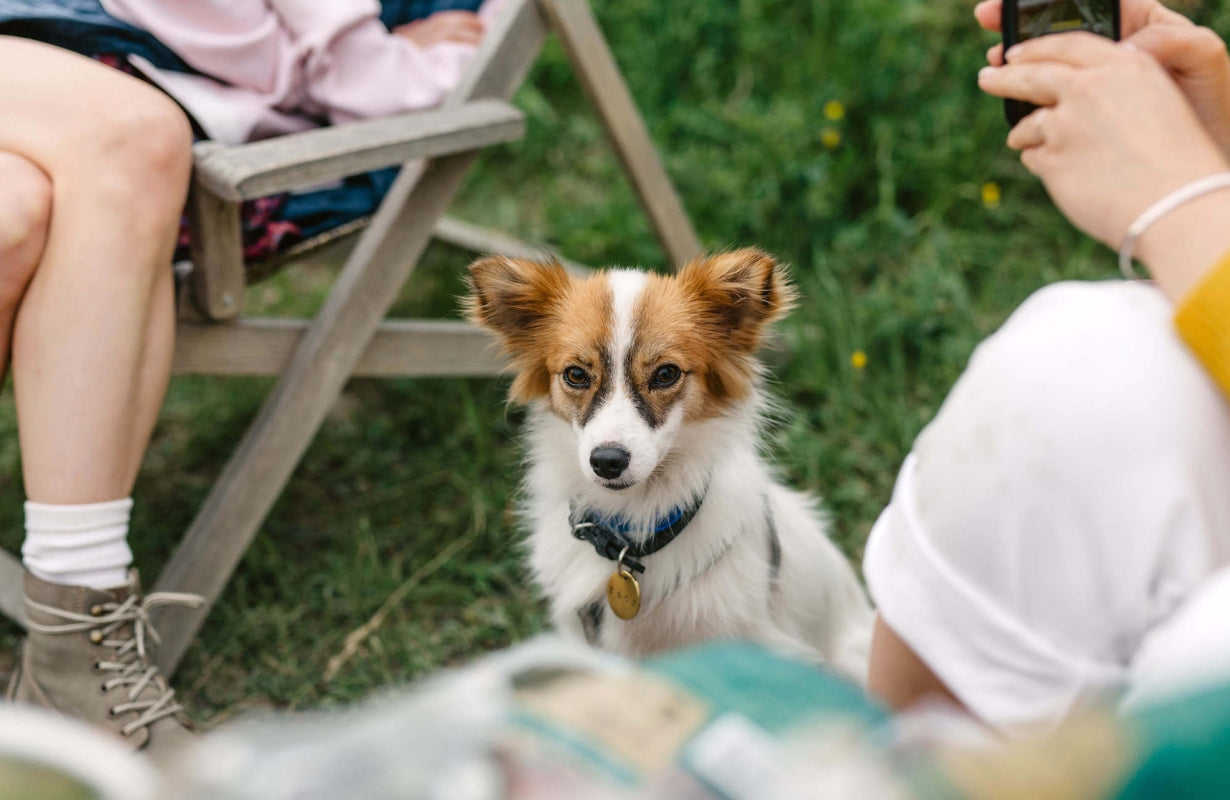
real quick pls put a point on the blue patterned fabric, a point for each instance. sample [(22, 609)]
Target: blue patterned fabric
[(83, 27)]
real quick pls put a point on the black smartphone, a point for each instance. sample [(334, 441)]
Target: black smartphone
[(1029, 19)]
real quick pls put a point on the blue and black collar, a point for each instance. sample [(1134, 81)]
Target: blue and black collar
[(610, 535)]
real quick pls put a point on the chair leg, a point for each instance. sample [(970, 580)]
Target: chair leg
[(288, 421), (374, 273), (573, 21), (217, 254), (12, 601)]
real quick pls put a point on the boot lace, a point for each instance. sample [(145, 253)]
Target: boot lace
[(125, 627)]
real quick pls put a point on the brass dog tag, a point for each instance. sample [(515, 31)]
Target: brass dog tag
[(623, 594)]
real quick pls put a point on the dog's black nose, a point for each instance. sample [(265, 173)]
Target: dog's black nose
[(609, 461)]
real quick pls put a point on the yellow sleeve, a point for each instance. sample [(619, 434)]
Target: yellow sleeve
[(1203, 320)]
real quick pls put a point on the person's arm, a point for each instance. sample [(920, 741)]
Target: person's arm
[(898, 676), (1186, 251), (240, 42), (355, 68), (1113, 134), (1203, 320)]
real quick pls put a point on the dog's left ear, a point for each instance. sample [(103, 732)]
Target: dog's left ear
[(740, 293)]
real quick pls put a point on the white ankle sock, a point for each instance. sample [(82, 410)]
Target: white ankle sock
[(84, 545)]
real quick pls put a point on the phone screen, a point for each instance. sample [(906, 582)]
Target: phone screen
[(1029, 19), (1040, 17)]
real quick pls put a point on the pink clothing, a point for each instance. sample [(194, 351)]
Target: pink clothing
[(281, 65)]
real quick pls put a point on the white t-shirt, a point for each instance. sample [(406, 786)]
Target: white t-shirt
[(1072, 492)]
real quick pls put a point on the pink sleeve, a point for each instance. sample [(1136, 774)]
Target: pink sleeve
[(356, 69), (241, 42), (331, 57)]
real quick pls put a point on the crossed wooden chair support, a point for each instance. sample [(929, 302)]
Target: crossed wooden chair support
[(350, 336)]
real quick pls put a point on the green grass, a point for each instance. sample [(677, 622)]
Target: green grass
[(886, 234)]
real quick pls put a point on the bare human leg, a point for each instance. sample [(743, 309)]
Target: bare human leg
[(91, 352), (94, 333), (25, 215)]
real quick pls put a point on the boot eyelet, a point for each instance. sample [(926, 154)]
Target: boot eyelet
[(102, 688), (98, 666), (96, 610), (96, 637)]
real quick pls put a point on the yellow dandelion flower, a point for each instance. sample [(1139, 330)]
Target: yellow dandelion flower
[(834, 110), (990, 194), (830, 138), (858, 359)]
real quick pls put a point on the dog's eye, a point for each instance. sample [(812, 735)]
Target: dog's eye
[(576, 377), (665, 376)]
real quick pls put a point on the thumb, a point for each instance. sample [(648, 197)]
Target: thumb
[(1186, 51)]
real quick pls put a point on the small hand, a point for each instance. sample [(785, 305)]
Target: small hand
[(1113, 132), (1194, 56), (443, 26)]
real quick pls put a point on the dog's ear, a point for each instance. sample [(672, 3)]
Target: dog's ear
[(739, 294), (516, 299)]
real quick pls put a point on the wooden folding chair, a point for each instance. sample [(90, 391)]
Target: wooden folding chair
[(350, 337)]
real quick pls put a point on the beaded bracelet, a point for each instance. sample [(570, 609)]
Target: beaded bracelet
[(1184, 194)]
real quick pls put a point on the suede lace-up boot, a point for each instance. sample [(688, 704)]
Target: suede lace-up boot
[(87, 656)]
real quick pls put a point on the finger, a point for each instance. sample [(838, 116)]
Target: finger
[(457, 17), (469, 27), (466, 36), (1035, 160), (989, 14), (1040, 84), (1182, 49), (1077, 49), (1135, 15), (1028, 132), (454, 26), (995, 55), (1155, 14)]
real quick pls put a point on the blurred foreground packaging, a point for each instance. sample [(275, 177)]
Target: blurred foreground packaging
[(552, 720)]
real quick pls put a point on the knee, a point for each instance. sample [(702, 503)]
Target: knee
[(1084, 377), (1083, 413), (145, 148), (25, 215), (1102, 360)]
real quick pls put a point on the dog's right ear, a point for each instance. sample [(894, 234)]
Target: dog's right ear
[(516, 299)]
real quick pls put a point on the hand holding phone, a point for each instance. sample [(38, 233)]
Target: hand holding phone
[(1029, 19)]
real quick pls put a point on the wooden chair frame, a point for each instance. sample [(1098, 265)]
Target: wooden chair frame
[(350, 337)]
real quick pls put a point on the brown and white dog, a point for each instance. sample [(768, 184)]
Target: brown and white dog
[(654, 520)]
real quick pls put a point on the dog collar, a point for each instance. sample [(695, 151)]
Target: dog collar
[(591, 615), (610, 538)]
